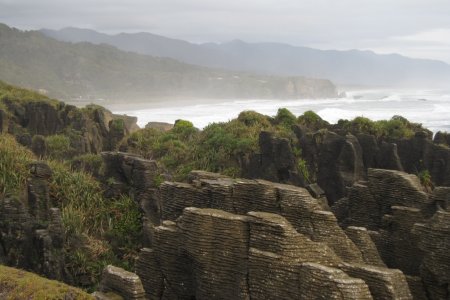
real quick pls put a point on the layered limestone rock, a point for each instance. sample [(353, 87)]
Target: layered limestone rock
[(388, 158), (395, 188), (91, 130), (368, 202), (434, 240), (401, 245), (327, 230), (362, 207), (212, 254), (148, 270), (361, 237), (128, 173), (420, 153), (216, 244), (416, 287), (339, 164), (383, 283), (244, 195), (120, 282), (370, 149), (441, 198), (275, 162), (276, 248), (31, 231), (320, 282)]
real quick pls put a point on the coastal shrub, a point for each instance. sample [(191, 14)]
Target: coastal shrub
[(222, 144), (219, 147), (252, 118), (362, 125), (184, 130), (312, 120), (285, 118), (142, 142), (398, 127), (395, 128)]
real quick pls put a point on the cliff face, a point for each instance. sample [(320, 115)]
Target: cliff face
[(216, 238), (338, 160), (32, 233), (346, 223), (32, 121)]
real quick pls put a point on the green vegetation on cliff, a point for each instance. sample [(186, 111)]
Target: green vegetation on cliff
[(15, 93), (224, 147), (219, 147), (14, 160), (396, 128), (98, 231)]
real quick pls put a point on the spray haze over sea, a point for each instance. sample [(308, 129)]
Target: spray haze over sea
[(428, 107)]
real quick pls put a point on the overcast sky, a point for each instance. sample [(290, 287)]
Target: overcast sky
[(417, 28)]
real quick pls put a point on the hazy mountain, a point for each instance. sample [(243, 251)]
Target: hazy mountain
[(68, 70), (343, 67)]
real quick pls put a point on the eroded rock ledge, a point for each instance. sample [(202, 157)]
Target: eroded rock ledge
[(222, 238)]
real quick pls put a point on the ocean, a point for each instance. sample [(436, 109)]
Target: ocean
[(428, 107)]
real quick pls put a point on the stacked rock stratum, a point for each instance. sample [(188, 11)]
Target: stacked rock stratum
[(223, 238)]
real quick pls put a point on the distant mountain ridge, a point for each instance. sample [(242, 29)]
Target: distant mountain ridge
[(352, 67), (85, 70)]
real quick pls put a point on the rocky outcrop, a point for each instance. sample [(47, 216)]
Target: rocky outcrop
[(332, 284), (388, 158), (369, 201), (336, 161), (420, 153), (362, 239), (31, 230), (395, 188), (159, 126), (244, 195), (410, 228), (434, 241), (440, 198), (402, 249), (224, 248), (275, 162), (212, 254), (91, 130), (442, 138), (131, 174), (383, 283), (120, 282)]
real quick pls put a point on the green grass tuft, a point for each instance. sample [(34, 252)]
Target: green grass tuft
[(17, 284)]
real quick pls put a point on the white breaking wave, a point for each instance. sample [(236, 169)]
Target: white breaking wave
[(431, 108)]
